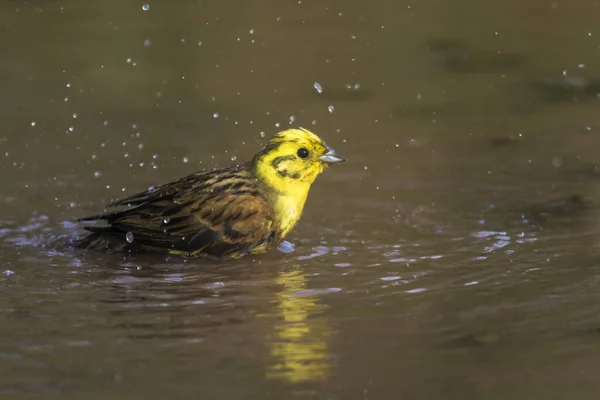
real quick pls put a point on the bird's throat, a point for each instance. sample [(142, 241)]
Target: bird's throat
[(288, 210), (286, 194)]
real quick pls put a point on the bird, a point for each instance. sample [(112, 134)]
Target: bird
[(222, 213)]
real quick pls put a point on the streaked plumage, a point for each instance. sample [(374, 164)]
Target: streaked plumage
[(226, 213)]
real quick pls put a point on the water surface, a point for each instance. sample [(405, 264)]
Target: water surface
[(453, 256)]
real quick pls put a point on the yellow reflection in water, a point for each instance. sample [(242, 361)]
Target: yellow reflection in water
[(299, 349)]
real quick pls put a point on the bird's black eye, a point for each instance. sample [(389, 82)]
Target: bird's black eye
[(302, 152)]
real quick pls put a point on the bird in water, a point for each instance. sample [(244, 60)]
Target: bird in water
[(227, 212)]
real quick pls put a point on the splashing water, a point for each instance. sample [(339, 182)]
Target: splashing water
[(318, 87)]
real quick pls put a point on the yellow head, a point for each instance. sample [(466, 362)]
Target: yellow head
[(288, 165), (293, 159)]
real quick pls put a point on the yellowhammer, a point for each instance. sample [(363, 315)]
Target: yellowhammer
[(226, 213)]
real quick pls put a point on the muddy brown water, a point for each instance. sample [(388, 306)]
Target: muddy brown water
[(455, 255)]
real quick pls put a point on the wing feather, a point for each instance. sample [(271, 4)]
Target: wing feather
[(198, 214)]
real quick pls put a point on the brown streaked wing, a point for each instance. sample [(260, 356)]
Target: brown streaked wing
[(226, 224), (202, 181), (244, 222)]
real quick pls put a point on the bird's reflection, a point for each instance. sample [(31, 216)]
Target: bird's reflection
[(299, 346)]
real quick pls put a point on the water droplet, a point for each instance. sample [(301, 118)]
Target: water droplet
[(216, 285), (74, 115), (185, 159), (146, 7), (216, 115), (140, 146), (262, 134), (8, 272), (166, 220), (97, 174), (128, 61), (252, 31), (330, 108), (129, 237), (233, 158), (286, 247), (33, 123), (277, 124), (292, 119), (147, 43), (318, 87)]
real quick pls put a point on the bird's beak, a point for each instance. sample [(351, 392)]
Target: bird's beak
[(331, 157)]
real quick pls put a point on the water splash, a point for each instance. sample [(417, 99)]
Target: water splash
[(318, 87)]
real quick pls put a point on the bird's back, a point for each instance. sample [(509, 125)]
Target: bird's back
[(221, 213)]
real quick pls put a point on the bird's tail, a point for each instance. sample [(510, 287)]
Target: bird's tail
[(101, 239)]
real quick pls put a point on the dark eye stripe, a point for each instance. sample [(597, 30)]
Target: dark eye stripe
[(286, 174), (278, 160)]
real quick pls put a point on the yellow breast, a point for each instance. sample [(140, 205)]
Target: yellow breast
[(288, 210)]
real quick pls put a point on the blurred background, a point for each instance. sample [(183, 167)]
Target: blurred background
[(453, 256)]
